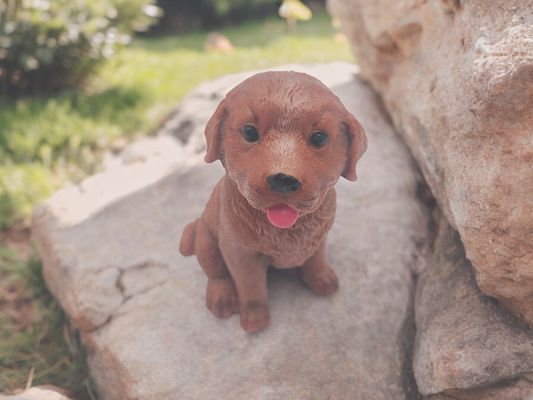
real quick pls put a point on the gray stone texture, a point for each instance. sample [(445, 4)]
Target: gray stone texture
[(110, 255), (456, 77), (467, 344)]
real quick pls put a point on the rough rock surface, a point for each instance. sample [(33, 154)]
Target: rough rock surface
[(457, 79), (467, 345), (111, 257)]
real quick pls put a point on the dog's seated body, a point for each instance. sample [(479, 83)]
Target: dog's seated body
[(284, 140)]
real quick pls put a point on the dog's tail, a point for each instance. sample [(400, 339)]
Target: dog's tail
[(187, 239)]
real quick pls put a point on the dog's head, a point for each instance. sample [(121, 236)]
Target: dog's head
[(285, 139)]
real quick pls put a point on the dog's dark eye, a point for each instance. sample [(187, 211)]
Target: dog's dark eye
[(319, 139), (250, 134)]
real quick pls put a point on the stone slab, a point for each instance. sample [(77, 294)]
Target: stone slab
[(116, 270)]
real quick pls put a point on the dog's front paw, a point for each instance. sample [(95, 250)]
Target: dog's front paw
[(222, 299), (322, 282), (255, 316)]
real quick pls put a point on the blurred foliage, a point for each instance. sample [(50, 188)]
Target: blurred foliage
[(21, 187), (49, 44), (227, 7), (186, 15), (35, 333), (165, 68), (45, 143)]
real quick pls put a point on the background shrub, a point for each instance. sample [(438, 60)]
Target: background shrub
[(49, 44)]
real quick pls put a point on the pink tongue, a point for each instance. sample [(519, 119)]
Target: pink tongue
[(282, 216)]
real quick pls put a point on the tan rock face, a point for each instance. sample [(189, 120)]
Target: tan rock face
[(457, 79), (467, 345)]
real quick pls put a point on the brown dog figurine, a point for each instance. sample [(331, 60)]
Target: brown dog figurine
[(284, 140)]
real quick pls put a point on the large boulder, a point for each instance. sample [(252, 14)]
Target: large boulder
[(110, 255), (467, 345), (457, 80)]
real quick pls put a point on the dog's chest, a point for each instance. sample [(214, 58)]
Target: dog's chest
[(285, 248), (290, 247)]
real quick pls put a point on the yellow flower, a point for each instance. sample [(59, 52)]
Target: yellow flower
[(295, 9)]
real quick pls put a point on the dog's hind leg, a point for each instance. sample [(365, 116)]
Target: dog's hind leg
[(221, 296), (318, 274)]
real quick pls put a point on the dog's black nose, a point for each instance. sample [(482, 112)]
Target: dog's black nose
[(283, 184)]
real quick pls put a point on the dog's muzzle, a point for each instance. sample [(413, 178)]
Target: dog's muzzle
[(283, 184)]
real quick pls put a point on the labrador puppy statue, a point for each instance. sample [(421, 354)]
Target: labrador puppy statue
[(284, 140)]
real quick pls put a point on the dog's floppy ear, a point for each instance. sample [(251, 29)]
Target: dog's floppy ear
[(357, 145), (213, 133)]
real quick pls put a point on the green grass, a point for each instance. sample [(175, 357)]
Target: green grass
[(46, 142), (35, 338)]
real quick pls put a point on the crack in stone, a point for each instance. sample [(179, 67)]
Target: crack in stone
[(119, 284), (424, 249), (406, 342)]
